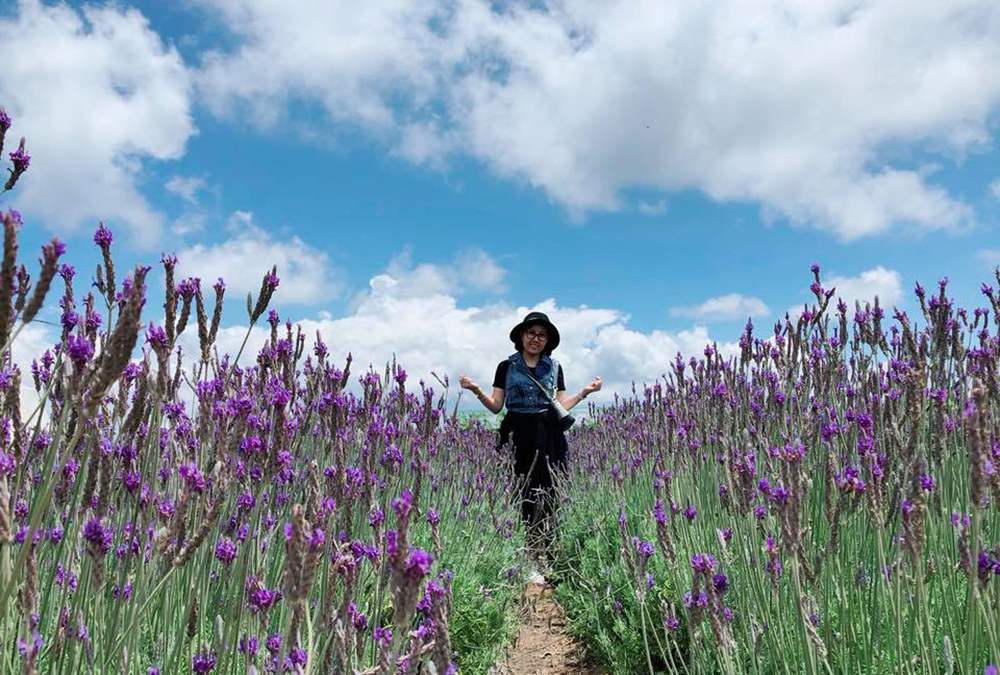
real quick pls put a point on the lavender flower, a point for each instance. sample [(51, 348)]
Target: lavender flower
[(103, 236), (225, 551), (418, 565), (203, 662), (79, 349), (98, 536)]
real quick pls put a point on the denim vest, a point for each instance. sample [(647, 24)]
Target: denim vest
[(520, 393)]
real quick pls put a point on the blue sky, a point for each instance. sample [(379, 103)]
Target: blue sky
[(424, 173)]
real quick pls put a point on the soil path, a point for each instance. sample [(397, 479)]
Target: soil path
[(543, 646)]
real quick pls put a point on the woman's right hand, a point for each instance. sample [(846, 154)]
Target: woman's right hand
[(466, 383)]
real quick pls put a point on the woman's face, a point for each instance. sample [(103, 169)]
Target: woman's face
[(534, 339)]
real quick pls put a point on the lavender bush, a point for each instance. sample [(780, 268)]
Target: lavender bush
[(168, 512), (827, 501)]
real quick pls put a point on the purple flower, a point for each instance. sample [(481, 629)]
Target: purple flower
[(261, 599), (403, 504), (194, 478), (99, 536), (703, 563), (720, 582), (298, 656), (273, 643), (188, 287), (79, 349), (203, 663), (359, 620), (156, 336), (319, 349), (271, 280), (4, 121), (52, 250), (927, 482), (316, 538), (780, 494), (131, 480), (418, 565), (991, 670), (643, 548), (383, 636), (433, 517), (103, 236), (692, 601), (276, 394), (658, 512), (7, 464), (69, 319), (20, 159), (690, 513), (672, 623), (249, 645), (225, 551)]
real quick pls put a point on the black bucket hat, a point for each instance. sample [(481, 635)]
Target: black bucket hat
[(532, 319)]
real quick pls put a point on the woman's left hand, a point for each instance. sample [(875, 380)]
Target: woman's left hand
[(595, 385)]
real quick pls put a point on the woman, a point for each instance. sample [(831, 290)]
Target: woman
[(539, 442)]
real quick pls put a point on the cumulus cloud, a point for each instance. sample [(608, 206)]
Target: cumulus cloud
[(879, 281), (433, 332), (186, 187), (995, 189), (790, 106), (96, 92), (472, 269), (31, 342), (351, 57), (729, 307), (306, 273)]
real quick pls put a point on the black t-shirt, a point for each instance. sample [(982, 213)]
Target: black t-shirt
[(500, 379)]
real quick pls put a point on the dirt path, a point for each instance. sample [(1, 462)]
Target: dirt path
[(543, 646)]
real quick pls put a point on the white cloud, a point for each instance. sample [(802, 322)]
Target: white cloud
[(729, 307), (31, 342), (352, 57), (878, 281), (471, 270), (307, 276), (995, 189), (186, 187), (787, 105), (95, 93), (433, 332)]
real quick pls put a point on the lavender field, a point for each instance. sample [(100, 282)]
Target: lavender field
[(826, 501)]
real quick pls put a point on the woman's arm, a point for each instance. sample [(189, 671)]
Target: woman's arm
[(568, 401), (493, 403)]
